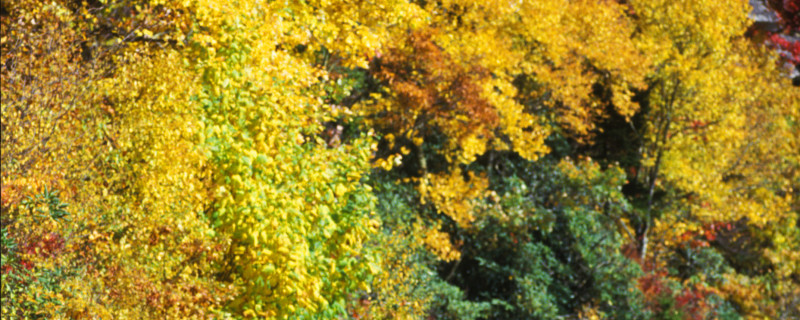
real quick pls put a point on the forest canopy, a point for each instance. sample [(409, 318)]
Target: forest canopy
[(570, 159)]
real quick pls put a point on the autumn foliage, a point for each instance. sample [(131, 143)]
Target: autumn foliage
[(398, 159)]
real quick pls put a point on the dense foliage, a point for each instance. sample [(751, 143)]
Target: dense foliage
[(398, 160)]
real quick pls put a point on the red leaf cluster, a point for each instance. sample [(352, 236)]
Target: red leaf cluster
[(433, 88), (790, 49)]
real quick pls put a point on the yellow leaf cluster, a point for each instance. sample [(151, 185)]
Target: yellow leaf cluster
[(453, 195)]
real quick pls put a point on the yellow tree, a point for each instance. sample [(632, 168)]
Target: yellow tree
[(721, 132), (104, 118), (155, 143), (294, 207), (476, 78), (482, 76)]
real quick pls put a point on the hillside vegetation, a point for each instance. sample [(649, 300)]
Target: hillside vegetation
[(582, 159)]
